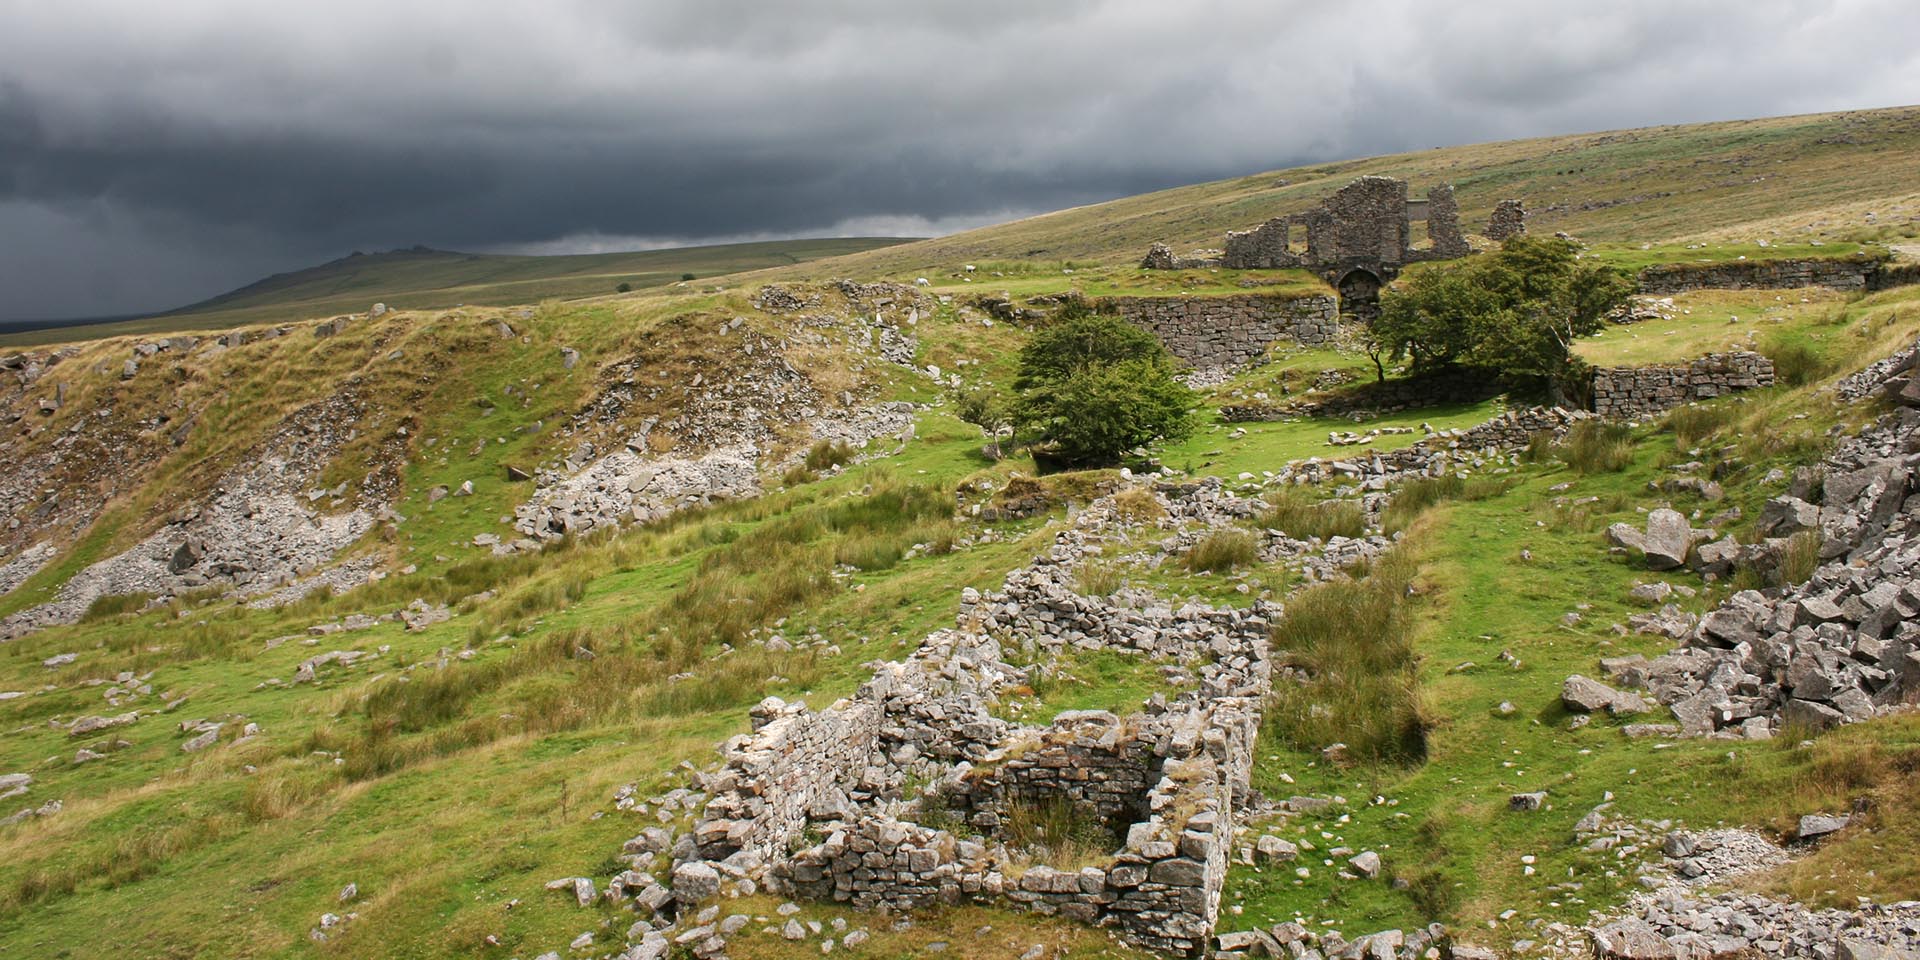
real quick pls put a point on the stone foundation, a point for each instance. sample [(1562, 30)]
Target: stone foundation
[(1623, 393), (1229, 331)]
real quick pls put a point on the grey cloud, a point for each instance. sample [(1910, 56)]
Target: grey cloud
[(191, 146)]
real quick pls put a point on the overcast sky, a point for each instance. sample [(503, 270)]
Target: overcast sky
[(156, 153)]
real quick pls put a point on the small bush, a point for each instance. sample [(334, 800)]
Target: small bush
[(623, 287), (1597, 446), (1221, 551), (1301, 515), (686, 277)]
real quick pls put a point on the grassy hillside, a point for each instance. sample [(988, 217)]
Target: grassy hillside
[(449, 773), (424, 279), (1814, 177)]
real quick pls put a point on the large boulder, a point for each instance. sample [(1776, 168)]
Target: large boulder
[(1786, 516), (1669, 538)]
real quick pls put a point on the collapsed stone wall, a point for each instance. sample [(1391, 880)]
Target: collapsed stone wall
[(1230, 331), (1842, 646), (1622, 393), (1509, 219), (1840, 273), (1167, 777)]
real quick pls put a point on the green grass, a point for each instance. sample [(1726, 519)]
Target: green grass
[(456, 770), (1714, 321)]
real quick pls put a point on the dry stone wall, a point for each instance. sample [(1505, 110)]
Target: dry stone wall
[(1230, 331), (1841, 273), (1623, 393)]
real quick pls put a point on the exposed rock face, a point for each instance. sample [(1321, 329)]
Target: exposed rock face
[(1842, 646), (258, 531)]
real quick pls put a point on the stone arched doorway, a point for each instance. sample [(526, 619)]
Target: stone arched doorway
[(1359, 295)]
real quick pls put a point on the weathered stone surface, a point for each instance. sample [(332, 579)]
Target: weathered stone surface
[(1631, 939)]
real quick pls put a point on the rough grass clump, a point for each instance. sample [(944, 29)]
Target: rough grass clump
[(1695, 422), (1301, 515), (1221, 551), (1414, 497), (1596, 446), (1353, 640), (827, 454), (116, 605), (1138, 505), (1796, 362), (1098, 578), (1057, 832)]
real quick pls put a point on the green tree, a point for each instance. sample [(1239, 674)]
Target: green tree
[(1091, 387), (1516, 312), (986, 408), (624, 287)]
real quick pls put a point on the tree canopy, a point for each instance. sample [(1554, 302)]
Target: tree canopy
[(1515, 312), (1091, 387)]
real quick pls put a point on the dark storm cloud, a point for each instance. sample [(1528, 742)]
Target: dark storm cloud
[(151, 154)]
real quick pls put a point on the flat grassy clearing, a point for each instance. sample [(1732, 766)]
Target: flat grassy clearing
[(1713, 321)]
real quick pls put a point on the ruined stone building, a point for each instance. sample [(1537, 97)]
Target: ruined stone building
[(1357, 239)]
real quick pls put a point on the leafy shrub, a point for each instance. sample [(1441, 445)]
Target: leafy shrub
[(623, 287), (1092, 387)]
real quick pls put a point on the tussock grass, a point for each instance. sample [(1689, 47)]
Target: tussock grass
[(1797, 362), (111, 606), (1221, 551), (1137, 505), (828, 454), (1300, 514), (1414, 497), (1696, 422), (1354, 641), (1057, 832), (1595, 446), (1098, 578)]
